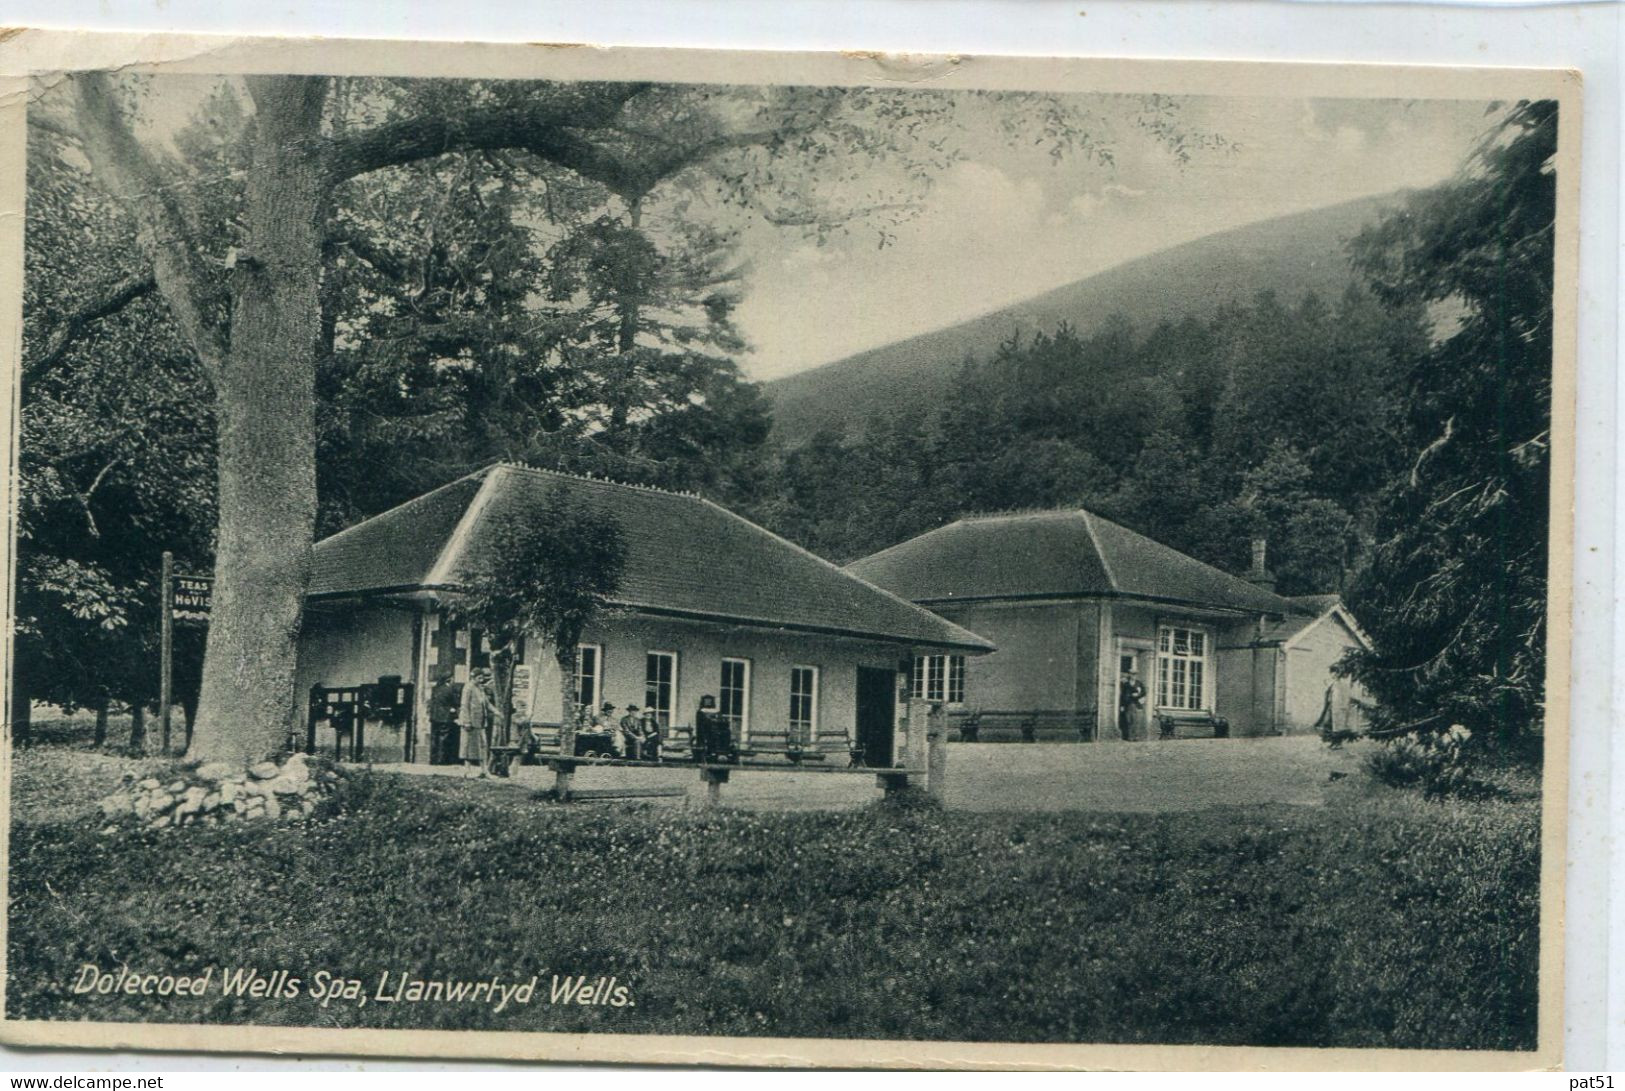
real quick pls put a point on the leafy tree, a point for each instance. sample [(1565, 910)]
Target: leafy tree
[(545, 576), (115, 459), (1455, 596), (247, 299)]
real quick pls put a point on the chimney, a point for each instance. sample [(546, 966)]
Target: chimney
[(1260, 573)]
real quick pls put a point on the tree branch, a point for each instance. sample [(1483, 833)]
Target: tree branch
[(71, 327), (362, 247), (548, 127), (127, 171)]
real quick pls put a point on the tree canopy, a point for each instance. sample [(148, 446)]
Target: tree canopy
[(1456, 594), (444, 271), (1202, 434)]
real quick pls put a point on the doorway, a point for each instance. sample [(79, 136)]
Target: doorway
[(877, 707), (1131, 721)]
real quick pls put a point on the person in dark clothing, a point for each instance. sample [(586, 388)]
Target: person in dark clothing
[(631, 728), (713, 738), (444, 700), (1130, 696)]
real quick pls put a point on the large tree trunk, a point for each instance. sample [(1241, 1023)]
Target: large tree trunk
[(138, 727), (101, 724), (267, 435)]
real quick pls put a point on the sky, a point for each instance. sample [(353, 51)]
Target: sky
[(1008, 224)]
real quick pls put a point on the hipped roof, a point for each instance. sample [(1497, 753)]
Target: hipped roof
[(686, 557), (1056, 554)]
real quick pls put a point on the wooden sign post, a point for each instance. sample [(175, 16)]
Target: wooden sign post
[(184, 599), (166, 648)]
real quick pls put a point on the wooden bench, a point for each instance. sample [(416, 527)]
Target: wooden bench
[(1026, 725), (1191, 724)]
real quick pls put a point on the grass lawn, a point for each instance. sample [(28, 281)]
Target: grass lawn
[(1376, 919)]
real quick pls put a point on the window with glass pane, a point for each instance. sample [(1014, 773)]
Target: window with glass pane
[(734, 695), (804, 704), (1182, 674), (939, 678), (589, 664), (660, 685)]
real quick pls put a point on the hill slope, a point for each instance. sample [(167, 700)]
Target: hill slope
[(1289, 255)]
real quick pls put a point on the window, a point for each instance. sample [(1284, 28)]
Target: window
[(1182, 674), (939, 678), (660, 685), (589, 674), (734, 697), (804, 704)]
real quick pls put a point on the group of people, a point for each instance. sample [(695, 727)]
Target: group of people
[(463, 716), (635, 735)]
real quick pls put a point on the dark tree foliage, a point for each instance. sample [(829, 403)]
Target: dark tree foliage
[(523, 323), (116, 456), (1455, 596), (1268, 419)]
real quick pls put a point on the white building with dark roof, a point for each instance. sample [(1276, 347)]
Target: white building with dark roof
[(792, 646), (1074, 601)]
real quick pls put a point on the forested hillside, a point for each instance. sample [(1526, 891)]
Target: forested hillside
[(1277, 418), (1288, 255)]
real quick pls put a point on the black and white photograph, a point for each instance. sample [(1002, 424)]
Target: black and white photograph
[(787, 559)]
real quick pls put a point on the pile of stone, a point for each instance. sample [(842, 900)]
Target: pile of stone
[(219, 792)]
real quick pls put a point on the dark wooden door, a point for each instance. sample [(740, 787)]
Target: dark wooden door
[(877, 706)]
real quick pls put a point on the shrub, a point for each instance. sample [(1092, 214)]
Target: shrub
[(1439, 764)]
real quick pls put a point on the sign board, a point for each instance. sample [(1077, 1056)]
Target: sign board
[(521, 693), (192, 597)]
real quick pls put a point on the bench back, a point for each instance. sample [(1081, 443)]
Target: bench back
[(1024, 725)]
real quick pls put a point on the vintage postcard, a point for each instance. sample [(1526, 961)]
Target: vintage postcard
[(785, 559)]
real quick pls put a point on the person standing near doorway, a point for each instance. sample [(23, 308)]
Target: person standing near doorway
[(1130, 698)]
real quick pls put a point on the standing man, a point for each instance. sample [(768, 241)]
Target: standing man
[(444, 700), (1130, 696)]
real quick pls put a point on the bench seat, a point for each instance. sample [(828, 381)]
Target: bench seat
[(1192, 724), (1024, 725)]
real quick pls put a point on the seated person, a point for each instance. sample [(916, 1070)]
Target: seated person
[(604, 724), (630, 730), (650, 730)]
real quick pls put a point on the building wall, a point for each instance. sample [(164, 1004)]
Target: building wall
[(349, 647), (1241, 681), (700, 649), (1039, 657), (1309, 673), (1246, 694)]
